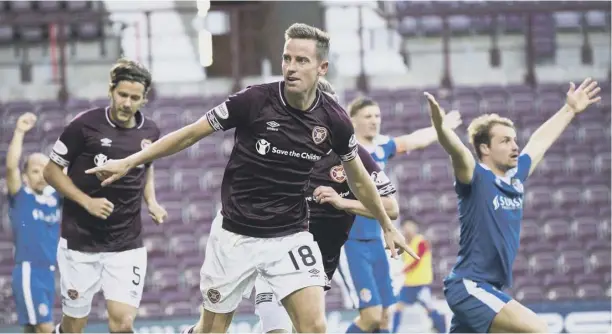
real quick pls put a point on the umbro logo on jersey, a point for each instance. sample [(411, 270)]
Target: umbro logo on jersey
[(272, 126), (106, 142)]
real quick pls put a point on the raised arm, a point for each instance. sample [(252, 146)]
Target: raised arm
[(24, 124), (576, 102), (462, 159), (422, 138)]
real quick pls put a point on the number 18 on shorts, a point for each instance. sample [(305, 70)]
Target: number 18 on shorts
[(233, 261)]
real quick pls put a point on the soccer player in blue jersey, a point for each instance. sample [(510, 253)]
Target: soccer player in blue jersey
[(367, 260), (490, 192), (34, 214)]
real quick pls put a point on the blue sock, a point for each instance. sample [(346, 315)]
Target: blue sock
[(353, 328), (397, 319), (438, 321)]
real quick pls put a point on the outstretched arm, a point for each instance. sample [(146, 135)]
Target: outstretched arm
[(169, 144), (577, 101), (462, 160), (422, 138)]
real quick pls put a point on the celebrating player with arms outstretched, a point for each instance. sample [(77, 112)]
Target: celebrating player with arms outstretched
[(367, 261), (282, 130), (101, 246), (490, 192)]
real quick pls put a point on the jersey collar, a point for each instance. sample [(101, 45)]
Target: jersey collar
[(284, 102), (507, 178), (140, 119)]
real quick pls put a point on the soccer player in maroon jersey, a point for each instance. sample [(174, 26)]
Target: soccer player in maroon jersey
[(282, 129), (101, 245), (332, 211)]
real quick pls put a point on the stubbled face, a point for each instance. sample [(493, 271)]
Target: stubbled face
[(503, 150), (367, 122), (301, 67), (126, 99), (33, 175)]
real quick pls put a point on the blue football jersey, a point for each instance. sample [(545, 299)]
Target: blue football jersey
[(490, 213), (35, 222), (381, 151)]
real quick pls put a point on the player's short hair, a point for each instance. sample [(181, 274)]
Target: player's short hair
[(359, 103), (479, 130), (305, 31), (129, 70)]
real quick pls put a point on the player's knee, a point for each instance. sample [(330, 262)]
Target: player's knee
[(317, 325), (46, 327), (73, 325), (372, 317), (123, 324)]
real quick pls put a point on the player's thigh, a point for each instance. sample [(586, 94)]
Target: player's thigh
[(229, 269), (516, 318), (294, 270), (362, 273), (272, 315), (80, 280), (382, 276), (30, 290), (123, 276), (292, 263), (474, 304), (306, 309)]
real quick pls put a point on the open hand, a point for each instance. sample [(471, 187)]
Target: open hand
[(578, 99), (452, 119)]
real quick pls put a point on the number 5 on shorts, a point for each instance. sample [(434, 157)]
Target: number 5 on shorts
[(306, 255), (136, 280)]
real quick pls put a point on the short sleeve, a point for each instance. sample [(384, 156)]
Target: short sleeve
[(382, 182), (69, 145), (524, 165), (13, 199), (344, 143), (154, 138), (234, 112), (390, 149), (463, 189)]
